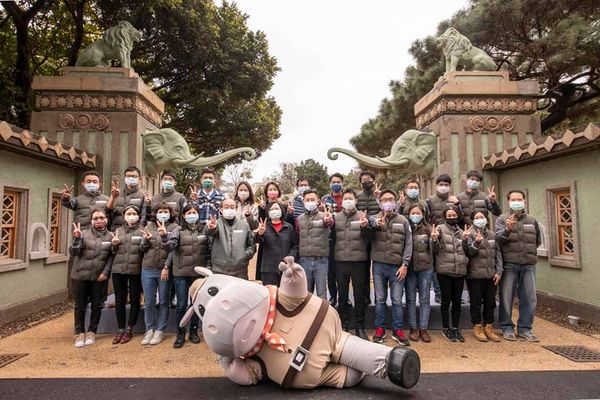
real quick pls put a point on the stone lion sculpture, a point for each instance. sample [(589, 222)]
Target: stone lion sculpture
[(115, 44), (458, 50)]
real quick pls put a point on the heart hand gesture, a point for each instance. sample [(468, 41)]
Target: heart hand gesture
[(77, 230)]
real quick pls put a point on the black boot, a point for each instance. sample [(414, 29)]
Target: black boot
[(194, 338), (403, 367), (360, 332), (180, 340)]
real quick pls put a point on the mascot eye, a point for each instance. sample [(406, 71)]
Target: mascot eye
[(213, 291), (201, 310)]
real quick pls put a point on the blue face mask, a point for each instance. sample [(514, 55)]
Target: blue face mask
[(191, 218), (163, 216), (336, 187), (412, 193), (415, 219), (473, 184), (168, 185), (91, 187), (131, 181)]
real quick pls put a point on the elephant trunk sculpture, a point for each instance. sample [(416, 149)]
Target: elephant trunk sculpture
[(165, 148), (413, 151)]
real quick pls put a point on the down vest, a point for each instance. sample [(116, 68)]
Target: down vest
[(449, 249), (92, 252)]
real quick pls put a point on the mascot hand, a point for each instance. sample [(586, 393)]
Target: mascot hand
[(235, 369), (289, 268)]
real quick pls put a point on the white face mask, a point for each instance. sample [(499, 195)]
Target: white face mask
[(132, 219), (516, 205), (480, 222), (443, 189), (229, 213), (310, 205), (274, 214), (243, 195), (473, 183), (162, 216), (349, 204)]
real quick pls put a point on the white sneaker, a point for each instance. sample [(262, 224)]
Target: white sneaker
[(158, 337), (80, 340), (90, 339), (147, 337)]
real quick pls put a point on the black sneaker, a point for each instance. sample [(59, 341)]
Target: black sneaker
[(194, 338), (448, 334), (457, 335)]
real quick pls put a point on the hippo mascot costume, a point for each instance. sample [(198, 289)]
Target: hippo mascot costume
[(288, 335)]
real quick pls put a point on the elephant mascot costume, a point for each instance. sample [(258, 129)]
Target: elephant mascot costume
[(288, 335)]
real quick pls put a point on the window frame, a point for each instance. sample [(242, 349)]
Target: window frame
[(555, 258), (63, 230), (19, 261)]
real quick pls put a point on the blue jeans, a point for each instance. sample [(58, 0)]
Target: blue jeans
[(519, 279), (316, 270), (384, 275), (182, 287), (420, 281), (150, 283)]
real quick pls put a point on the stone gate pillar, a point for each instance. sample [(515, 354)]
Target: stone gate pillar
[(474, 114), (103, 111)]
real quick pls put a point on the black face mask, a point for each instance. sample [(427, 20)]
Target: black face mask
[(367, 185), (452, 221)]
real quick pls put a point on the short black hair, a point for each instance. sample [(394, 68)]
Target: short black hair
[(163, 205), (133, 207), (188, 207), (302, 179), (475, 173), (368, 173), (443, 178), (514, 191), (309, 191), (351, 191), (132, 168), (412, 181), (336, 175), (281, 206), (88, 173), (384, 191), (208, 170), (453, 208), (483, 211), (168, 172)]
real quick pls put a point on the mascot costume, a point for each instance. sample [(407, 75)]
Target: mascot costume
[(288, 335)]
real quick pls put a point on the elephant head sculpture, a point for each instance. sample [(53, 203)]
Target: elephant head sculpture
[(165, 148), (413, 151)]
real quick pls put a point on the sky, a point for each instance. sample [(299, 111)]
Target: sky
[(337, 59)]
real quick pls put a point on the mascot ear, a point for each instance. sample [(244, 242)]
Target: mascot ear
[(203, 271)]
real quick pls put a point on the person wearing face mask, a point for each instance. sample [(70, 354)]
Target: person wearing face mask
[(472, 199), (333, 201), (391, 253), (132, 194), (169, 195), (448, 245), (92, 260), (409, 197), (302, 185), (350, 236), (420, 273), (518, 235), (232, 242), (244, 200), (209, 198), (155, 274), (90, 198), (313, 243), (126, 270), (187, 247), (367, 198), (278, 240), (483, 274)]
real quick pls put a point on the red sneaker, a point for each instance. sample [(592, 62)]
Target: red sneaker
[(379, 335), (399, 337)]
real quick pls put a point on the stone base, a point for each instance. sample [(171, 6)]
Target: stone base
[(585, 311), (28, 307), (100, 71)]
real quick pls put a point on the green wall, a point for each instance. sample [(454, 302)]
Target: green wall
[(584, 169), (37, 279)]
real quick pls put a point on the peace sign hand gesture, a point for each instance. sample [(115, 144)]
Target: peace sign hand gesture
[(114, 188), (146, 232), (435, 232), (492, 194), (77, 230), (327, 217), (510, 222), (478, 236), (212, 222), (377, 190), (362, 218), (147, 198), (162, 231), (114, 239), (262, 227), (467, 232), (402, 198), (261, 202), (67, 191), (380, 220), (194, 194)]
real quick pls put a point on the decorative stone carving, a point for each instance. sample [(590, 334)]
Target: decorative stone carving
[(84, 121), (491, 124), (459, 51), (116, 43)]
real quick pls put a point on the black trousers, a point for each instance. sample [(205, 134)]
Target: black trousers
[(270, 278), (367, 290), (482, 292), (331, 280), (451, 288), (88, 291), (358, 273), (123, 285)]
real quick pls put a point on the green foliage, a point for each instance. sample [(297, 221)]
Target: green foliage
[(547, 40), (316, 173)]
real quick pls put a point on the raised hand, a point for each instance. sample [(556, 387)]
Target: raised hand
[(212, 222), (114, 239), (327, 216), (147, 198), (67, 191), (114, 188), (453, 199), (290, 209), (262, 227), (162, 231), (377, 190), (194, 194), (77, 230), (246, 210), (146, 233), (402, 198), (261, 202), (478, 236), (511, 222), (467, 232), (491, 192), (435, 232), (362, 218), (380, 220)]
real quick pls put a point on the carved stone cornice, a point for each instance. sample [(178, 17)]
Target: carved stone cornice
[(491, 123)]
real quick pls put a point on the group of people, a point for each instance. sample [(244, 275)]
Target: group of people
[(149, 244)]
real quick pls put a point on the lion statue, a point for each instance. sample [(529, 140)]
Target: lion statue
[(458, 50), (115, 44)]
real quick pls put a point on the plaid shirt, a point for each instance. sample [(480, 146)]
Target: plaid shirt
[(209, 204), (330, 200)]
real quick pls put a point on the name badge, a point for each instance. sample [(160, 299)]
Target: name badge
[(397, 225), (171, 203), (136, 239), (100, 203), (299, 358), (422, 238), (202, 238), (238, 231), (479, 203), (135, 202), (105, 245), (354, 222), (317, 224)]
